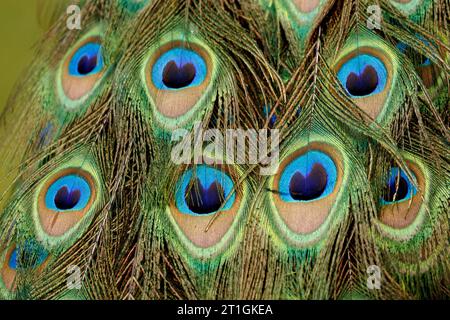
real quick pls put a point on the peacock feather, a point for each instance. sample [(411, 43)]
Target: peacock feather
[(357, 92)]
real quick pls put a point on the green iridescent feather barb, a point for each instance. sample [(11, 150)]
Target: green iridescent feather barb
[(363, 178)]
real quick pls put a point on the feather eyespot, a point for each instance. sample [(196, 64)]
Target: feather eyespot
[(87, 60), (363, 75), (410, 7), (399, 188), (82, 69), (202, 192), (179, 68), (71, 192), (299, 16), (306, 6), (29, 256), (401, 199), (368, 75), (310, 177), (64, 199), (306, 186), (177, 75), (22, 257)]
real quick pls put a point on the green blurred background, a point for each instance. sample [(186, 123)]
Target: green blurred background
[(22, 24)]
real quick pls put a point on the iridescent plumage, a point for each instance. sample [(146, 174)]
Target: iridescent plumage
[(363, 176)]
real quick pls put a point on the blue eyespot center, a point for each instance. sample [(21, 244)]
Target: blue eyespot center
[(175, 77), (204, 191), (310, 177), (87, 64), (363, 75), (68, 193), (65, 199), (202, 200), (364, 83), (86, 61), (398, 188), (28, 256), (179, 68), (309, 187)]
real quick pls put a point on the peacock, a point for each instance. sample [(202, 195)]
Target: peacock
[(357, 207)]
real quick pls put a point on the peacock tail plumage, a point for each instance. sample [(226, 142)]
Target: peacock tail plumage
[(363, 179)]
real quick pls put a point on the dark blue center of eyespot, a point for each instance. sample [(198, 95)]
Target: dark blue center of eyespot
[(309, 187), (311, 176), (398, 188), (179, 68), (65, 199), (68, 193), (86, 61), (175, 77), (87, 64), (202, 200), (203, 191), (364, 83), (363, 75), (28, 256)]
